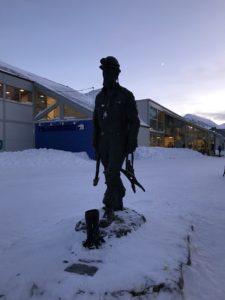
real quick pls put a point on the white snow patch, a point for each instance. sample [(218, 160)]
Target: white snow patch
[(45, 192)]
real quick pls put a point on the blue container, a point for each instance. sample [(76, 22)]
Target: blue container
[(75, 136)]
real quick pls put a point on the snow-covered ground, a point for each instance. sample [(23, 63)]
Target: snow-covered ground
[(45, 192)]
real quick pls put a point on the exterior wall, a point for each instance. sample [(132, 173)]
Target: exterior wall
[(16, 119), (18, 126), (142, 106), (1, 109), (19, 136), (1, 126), (143, 136)]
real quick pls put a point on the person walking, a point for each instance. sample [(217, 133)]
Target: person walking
[(219, 150)]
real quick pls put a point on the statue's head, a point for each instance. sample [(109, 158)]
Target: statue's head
[(110, 69)]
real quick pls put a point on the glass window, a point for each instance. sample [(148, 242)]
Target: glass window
[(42, 102), (153, 113), (153, 124), (156, 119), (169, 125), (12, 93), (160, 121), (1, 90), (17, 94), (70, 112), (169, 141), (156, 140), (54, 114), (25, 96)]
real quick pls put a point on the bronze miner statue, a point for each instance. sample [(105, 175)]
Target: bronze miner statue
[(116, 126)]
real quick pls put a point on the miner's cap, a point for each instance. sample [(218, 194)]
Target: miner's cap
[(109, 62)]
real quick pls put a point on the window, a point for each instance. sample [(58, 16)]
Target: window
[(53, 114), (70, 112), (169, 125), (42, 102), (25, 96), (156, 140), (153, 124), (17, 94), (1, 90), (153, 113), (160, 121), (169, 141), (48, 108), (12, 93), (156, 119)]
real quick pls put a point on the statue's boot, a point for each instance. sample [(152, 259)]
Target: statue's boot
[(118, 200), (108, 217), (96, 237), (92, 226)]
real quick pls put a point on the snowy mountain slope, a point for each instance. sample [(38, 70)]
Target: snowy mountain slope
[(200, 121), (221, 126)]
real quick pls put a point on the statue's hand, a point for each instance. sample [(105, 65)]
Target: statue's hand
[(131, 146)]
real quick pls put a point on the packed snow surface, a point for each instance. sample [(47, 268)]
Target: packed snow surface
[(45, 192)]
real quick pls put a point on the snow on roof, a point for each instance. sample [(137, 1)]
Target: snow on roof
[(86, 100), (60, 89)]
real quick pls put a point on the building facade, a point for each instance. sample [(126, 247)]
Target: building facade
[(16, 113), (167, 129), (38, 113)]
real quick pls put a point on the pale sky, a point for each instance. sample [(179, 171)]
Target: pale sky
[(172, 51)]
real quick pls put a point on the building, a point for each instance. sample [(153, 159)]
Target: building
[(168, 129), (37, 112), (219, 138)]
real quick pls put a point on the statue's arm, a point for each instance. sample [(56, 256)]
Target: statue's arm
[(133, 124), (95, 136)]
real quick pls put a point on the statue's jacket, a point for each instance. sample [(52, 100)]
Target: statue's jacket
[(115, 115)]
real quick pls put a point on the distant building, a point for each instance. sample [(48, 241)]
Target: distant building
[(168, 129), (219, 138)]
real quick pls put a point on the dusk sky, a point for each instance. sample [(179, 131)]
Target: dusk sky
[(172, 51)]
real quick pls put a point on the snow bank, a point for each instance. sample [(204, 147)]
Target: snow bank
[(42, 157), (47, 157), (39, 207), (156, 153)]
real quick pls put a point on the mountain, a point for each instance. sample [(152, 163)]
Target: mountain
[(202, 122), (91, 95), (221, 126)]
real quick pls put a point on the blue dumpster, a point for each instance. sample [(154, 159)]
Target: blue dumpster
[(75, 136)]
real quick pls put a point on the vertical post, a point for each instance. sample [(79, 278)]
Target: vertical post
[(61, 111), (4, 115), (34, 97)]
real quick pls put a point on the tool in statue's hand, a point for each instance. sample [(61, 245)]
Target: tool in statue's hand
[(129, 173), (96, 179)]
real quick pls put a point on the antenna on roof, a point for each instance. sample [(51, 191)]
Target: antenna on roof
[(90, 88), (64, 91)]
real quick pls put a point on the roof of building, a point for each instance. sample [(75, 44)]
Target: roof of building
[(81, 99)]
